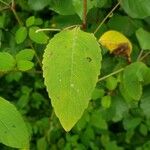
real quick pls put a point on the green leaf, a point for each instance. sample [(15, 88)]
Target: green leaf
[(71, 71), (64, 7), (97, 120), (131, 123), (81, 124), (24, 65), (38, 4), (38, 21), (145, 102), (146, 75), (143, 38), (30, 21), (111, 83), (106, 101), (112, 145), (133, 77), (21, 35), (26, 54), (40, 37), (143, 129), (136, 8), (97, 93), (125, 94), (7, 62), (13, 131), (42, 144), (120, 106), (13, 76)]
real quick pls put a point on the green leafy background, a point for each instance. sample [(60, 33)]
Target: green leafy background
[(118, 114)]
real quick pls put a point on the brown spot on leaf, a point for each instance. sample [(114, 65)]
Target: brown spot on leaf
[(89, 59), (123, 49)]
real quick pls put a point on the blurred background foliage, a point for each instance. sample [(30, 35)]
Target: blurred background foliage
[(111, 122)]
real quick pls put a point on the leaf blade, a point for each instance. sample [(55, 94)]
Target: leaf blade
[(82, 57), (12, 127)]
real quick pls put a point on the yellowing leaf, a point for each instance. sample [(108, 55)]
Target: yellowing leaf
[(116, 43)]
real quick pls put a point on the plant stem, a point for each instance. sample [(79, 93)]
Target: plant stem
[(111, 74), (16, 16), (84, 14), (50, 126), (72, 26), (4, 8), (144, 56), (4, 3), (36, 55), (140, 55), (47, 29), (15, 13), (103, 21)]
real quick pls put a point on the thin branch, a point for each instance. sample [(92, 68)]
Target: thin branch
[(15, 13), (51, 126), (4, 3), (144, 56), (73, 26), (36, 55), (47, 29), (12, 7), (13, 3), (84, 14), (4, 8), (109, 14), (140, 55), (111, 74), (16, 16)]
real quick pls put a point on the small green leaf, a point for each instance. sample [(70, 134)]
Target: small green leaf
[(120, 106), (112, 145), (42, 144), (7, 62), (24, 65), (97, 120), (30, 21), (106, 101), (38, 21), (21, 35), (125, 94), (111, 83), (131, 123), (40, 37), (143, 129), (13, 131), (97, 93), (26, 54), (143, 38), (133, 77), (71, 66), (13, 76)]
